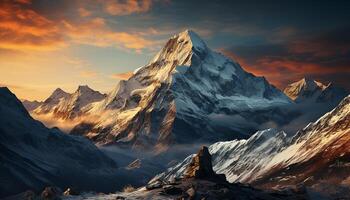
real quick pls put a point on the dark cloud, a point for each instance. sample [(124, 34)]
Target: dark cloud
[(324, 56)]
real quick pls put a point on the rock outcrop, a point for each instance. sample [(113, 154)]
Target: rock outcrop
[(201, 166)]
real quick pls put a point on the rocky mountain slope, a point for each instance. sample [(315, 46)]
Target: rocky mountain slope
[(199, 182), (186, 94), (317, 154), (308, 90), (68, 106), (33, 156)]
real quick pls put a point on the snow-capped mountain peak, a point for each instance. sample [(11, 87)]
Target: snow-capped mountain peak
[(180, 49), (309, 90), (186, 84), (85, 95), (68, 106), (56, 95), (303, 87)]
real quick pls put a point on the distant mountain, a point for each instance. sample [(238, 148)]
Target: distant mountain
[(187, 93), (31, 105), (317, 155), (68, 106), (53, 100), (33, 156), (308, 90)]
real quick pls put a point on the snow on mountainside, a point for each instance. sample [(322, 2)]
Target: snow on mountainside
[(199, 182), (68, 106), (33, 156), (182, 96), (310, 90), (319, 152)]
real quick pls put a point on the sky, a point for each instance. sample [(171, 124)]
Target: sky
[(48, 44)]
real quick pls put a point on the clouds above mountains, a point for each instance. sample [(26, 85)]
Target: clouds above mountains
[(324, 56), (283, 41), (23, 27)]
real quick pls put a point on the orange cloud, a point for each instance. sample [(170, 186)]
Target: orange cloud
[(25, 29), (95, 32), (282, 71), (126, 7), (122, 76)]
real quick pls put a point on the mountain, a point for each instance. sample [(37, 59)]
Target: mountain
[(69, 106), (53, 100), (308, 90), (316, 155), (187, 93), (33, 156), (31, 105), (200, 182)]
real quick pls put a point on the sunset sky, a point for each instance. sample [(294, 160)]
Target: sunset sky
[(47, 44)]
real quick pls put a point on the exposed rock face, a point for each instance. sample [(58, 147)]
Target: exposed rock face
[(200, 166), (134, 165)]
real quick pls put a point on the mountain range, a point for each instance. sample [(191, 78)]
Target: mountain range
[(187, 95), (308, 90), (68, 106), (316, 156)]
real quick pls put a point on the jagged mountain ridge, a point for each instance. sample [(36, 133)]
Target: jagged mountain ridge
[(308, 90), (179, 96), (33, 156), (31, 105), (200, 182), (316, 154), (69, 106)]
